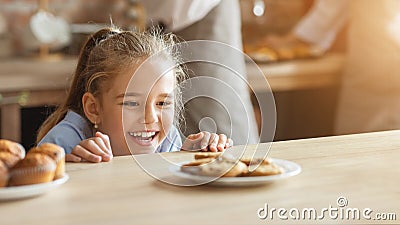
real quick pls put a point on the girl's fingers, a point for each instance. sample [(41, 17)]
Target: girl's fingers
[(221, 142), (104, 152), (72, 158), (187, 145), (229, 143), (204, 142), (213, 142), (196, 146), (196, 137), (85, 154), (106, 141), (94, 145), (191, 142)]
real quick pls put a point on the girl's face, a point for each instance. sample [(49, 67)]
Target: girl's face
[(143, 114)]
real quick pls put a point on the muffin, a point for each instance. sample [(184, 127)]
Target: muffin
[(12, 147), (56, 153), (9, 159), (3, 174), (33, 169)]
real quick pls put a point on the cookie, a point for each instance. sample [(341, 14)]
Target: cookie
[(193, 167), (216, 164), (223, 167), (198, 162), (265, 170), (220, 166), (238, 170), (203, 155), (247, 160)]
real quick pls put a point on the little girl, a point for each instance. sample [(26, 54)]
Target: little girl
[(122, 100)]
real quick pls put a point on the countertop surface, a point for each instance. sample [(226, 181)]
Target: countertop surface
[(343, 172)]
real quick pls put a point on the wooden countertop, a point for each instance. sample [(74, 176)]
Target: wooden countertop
[(34, 74), (362, 168)]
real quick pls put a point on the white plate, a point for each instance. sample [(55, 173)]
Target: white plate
[(26, 191), (290, 169)]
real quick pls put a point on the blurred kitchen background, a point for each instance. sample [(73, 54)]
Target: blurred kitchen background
[(35, 71)]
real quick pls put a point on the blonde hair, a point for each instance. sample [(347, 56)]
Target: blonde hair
[(106, 54)]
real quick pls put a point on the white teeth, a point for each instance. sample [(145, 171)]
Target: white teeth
[(142, 134)]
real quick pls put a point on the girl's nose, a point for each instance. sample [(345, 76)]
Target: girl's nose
[(150, 115)]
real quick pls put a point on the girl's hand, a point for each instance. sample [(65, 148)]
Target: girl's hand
[(95, 149), (206, 141)]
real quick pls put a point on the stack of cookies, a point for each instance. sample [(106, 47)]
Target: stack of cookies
[(216, 164), (42, 164)]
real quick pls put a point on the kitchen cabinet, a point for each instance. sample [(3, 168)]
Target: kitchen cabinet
[(30, 82), (305, 93)]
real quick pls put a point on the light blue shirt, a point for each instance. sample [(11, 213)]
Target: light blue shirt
[(74, 128)]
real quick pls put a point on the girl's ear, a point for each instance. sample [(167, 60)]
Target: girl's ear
[(91, 107)]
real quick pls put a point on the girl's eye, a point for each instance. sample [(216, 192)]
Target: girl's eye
[(130, 103), (164, 103)]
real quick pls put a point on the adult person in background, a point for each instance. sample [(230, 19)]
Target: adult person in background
[(230, 111), (370, 86), (316, 30), (222, 110)]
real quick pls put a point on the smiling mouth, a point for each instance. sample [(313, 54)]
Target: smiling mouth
[(143, 137)]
